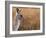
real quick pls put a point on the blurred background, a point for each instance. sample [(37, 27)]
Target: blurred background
[(31, 19)]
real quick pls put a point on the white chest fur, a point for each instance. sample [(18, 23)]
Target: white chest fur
[(17, 22)]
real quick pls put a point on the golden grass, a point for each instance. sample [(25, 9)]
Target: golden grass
[(31, 19)]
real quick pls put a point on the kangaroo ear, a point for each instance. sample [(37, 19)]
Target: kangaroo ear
[(17, 9), (20, 10)]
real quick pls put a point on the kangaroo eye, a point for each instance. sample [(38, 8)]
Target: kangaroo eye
[(21, 15)]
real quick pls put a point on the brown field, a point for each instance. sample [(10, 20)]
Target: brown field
[(31, 19)]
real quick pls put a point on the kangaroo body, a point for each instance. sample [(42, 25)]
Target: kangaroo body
[(18, 21)]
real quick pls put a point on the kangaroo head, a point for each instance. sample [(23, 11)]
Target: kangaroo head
[(18, 10)]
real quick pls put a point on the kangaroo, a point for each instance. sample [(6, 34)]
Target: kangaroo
[(18, 19)]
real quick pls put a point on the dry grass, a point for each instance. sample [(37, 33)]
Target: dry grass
[(31, 19)]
